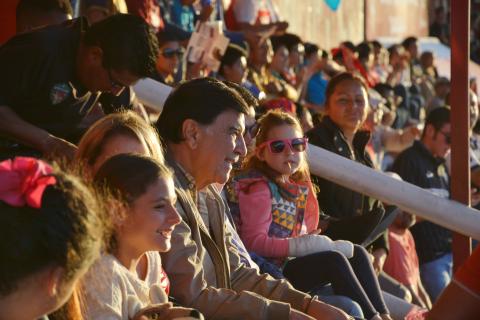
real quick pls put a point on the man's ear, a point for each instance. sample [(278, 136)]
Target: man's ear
[(53, 280), (191, 132), (95, 55), (430, 131), (226, 71)]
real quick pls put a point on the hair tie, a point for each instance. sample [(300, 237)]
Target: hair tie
[(23, 181)]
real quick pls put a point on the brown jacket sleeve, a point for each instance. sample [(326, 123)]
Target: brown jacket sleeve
[(188, 277)]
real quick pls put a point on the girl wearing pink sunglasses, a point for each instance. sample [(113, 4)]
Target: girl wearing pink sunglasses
[(278, 215)]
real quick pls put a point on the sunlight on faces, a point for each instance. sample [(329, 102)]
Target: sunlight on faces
[(288, 161), (119, 144), (152, 218), (219, 146), (348, 106)]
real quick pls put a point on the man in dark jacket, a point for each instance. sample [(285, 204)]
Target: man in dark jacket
[(423, 164)]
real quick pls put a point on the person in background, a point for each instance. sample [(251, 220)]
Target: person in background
[(51, 234), (123, 132), (260, 56), (317, 84), (169, 57), (61, 83), (278, 86), (380, 60), (33, 14), (254, 15), (183, 14), (442, 90), (348, 215), (402, 260), (233, 65), (439, 27), (98, 10), (411, 47), (423, 165)]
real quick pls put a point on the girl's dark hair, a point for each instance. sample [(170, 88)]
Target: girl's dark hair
[(65, 231), (338, 79), (121, 180), (270, 120), (130, 175)]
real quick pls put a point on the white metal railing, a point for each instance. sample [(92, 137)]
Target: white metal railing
[(410, 198)]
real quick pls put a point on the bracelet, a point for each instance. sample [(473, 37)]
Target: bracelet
[(310, 302)]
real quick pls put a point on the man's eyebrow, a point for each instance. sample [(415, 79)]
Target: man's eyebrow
[(237, 129)]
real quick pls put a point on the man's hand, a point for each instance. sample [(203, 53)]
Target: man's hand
[(323, 311), (166, 311), (297, 315)]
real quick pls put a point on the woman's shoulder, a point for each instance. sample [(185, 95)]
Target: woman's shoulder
[(105, 272), (323, 133)]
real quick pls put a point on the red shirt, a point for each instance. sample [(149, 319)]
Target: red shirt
[(469, 273), (402, 261), (8, 26)]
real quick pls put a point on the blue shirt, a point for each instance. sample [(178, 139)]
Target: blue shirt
[(316, 88), (183, 16)]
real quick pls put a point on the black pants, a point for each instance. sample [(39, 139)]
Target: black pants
[(354, 278)]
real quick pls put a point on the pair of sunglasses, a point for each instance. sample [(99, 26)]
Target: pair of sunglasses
[(278, 145), (170, 53)]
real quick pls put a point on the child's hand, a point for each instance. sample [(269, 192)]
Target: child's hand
[(318, 231)]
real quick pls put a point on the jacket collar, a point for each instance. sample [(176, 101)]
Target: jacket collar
[(360, 139), (420, 147)]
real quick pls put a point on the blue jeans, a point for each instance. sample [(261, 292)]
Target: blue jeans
[(436, 275), (326, 294)]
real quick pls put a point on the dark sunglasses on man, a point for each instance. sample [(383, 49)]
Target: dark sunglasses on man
[(169, 53)]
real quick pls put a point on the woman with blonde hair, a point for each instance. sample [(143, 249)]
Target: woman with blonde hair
[(123, 132)]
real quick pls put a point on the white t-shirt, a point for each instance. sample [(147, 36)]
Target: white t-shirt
[(112, 292)]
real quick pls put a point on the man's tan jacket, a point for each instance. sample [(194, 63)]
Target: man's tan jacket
[(205, 270)]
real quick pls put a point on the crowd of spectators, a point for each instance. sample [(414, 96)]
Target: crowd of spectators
[(112, 209)]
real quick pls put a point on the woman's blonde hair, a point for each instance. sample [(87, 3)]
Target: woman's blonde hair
[(122, 123), (266, 123)]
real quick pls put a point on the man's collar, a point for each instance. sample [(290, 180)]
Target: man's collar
[(420, 146), (186, 179)]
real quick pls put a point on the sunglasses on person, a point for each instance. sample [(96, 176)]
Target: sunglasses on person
[(170, 53), (448, 137), (278, 145)]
